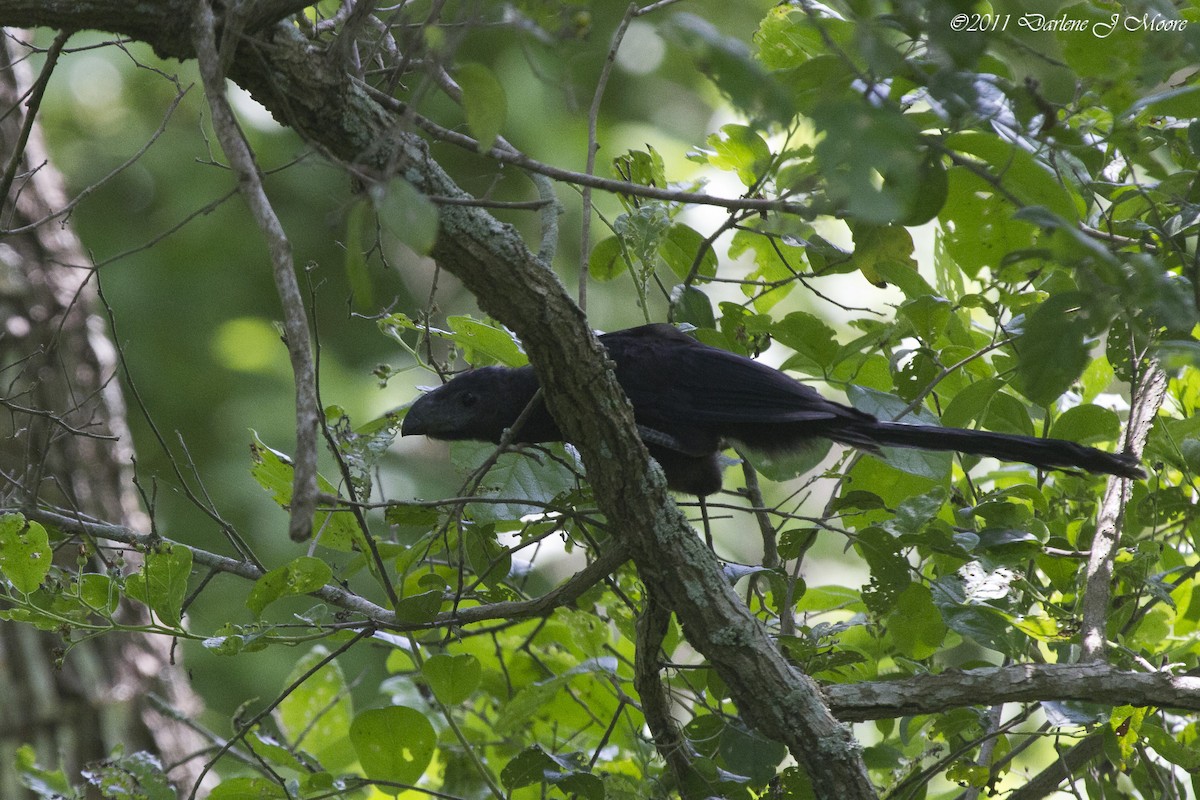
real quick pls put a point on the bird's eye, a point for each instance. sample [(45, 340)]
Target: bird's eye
[(468, 399)]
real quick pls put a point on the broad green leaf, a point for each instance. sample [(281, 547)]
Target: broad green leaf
[(862, 143), (1086, 424), (162, 582), (741, 149), (569, 773), (607, 260), (1053, 350), (485, 102), (535, 697), (680, 249), (1182, 102), (1007, 414), (815, 342), (355, 262), (643, 167), (1170, 748), (692, 306), (728, 62), (977, 225), (746, 752), (826, 598), (452, 677), (300, 576), (885, 252), (1031, 181), (515, 475), (489, 560), (407, 214), (420, 608), (272, 470), (248, 789), (476, 337), (25, 554), (46, 784), (320, 709), (410, 515), (393, 744), (268, 749), (138, 776), (971, 403), (99, 592)]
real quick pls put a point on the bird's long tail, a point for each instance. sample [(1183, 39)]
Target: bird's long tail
[(1054, 453)]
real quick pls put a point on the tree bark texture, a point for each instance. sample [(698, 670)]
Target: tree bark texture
[(64, 441)]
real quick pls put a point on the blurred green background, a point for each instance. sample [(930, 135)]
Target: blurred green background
[(188, 278)]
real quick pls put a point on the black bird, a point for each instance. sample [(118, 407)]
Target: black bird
[(690, 401)]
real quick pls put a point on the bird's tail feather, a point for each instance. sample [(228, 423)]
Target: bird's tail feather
[(1056, 453)]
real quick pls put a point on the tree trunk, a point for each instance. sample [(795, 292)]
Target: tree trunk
[(64, 441)]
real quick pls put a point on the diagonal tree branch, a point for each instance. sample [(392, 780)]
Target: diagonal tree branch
[(297, 82)]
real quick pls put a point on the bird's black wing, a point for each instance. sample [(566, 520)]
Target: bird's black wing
[(695, 392)]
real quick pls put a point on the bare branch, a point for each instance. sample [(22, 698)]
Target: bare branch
[(930, 694), (1148, 397), (295, 320)]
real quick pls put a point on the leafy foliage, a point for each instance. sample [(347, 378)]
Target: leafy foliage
[(930, 223)]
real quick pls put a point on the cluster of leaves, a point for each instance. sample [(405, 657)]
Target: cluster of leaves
[(1061, 198)]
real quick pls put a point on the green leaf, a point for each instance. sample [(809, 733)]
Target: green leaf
[(319, 709), (971, 403), (1171, 748), (248, 789), (484, 101), (162, 582), (515, 475), (915, 624), (862, 143), (883, 252), (643, 167), (356, 258), (420, 608), (99, 592), (569, 773), (393, 744), (607, 260), (271, 469), (46, 784), (25, 554), (745, 752), (301, 576), (1053, 351), (1031, 181), (1086, 424), (489, 560), (410, 515), (452, 677), (815, 342), (476, 338), (535, 697), (268, 749), (138, 776), (741, 149), (680, 249), (692, 306), (1182, 102), (728, 62), (407, 214)]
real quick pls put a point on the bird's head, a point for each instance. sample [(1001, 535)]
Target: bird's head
[(476, 405)]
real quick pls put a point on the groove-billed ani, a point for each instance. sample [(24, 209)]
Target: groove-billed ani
[(691, 400)]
